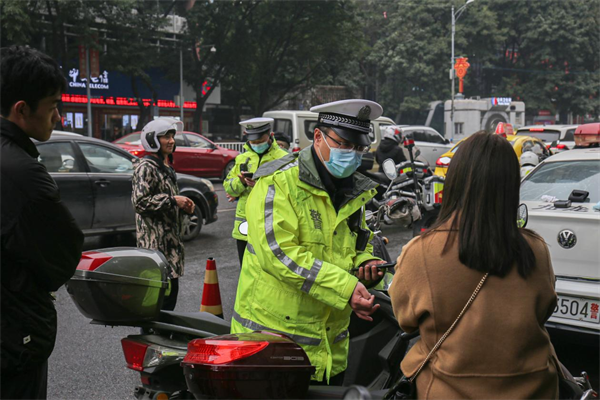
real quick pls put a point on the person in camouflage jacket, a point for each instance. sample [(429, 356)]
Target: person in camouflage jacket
[(156, 200)]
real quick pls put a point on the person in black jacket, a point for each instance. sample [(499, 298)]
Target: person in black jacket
[(389, 147), (40, 241)]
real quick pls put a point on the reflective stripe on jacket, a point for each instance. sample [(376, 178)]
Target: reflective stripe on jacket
[(234, 186), (296, 275)]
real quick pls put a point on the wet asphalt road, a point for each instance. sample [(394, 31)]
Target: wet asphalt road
[(88, 362)]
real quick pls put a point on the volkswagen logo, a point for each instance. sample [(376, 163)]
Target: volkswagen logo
[(567, 239)]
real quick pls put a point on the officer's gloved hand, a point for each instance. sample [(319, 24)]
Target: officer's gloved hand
[(362, 302)]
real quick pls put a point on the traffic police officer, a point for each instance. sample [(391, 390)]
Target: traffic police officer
[(306, 234), (260, 148)]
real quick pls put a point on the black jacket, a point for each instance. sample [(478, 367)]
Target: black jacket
[(41, 247), (389, 148)]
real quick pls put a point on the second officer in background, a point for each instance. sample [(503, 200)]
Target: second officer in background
[(260, 148)]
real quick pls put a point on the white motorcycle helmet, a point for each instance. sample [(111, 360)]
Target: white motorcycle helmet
[(392, 132), (529, 158), (159, 127)]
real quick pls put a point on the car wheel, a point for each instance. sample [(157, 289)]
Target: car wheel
[(192, 224), (228, 168)]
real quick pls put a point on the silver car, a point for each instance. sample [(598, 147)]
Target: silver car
[(559, 137)]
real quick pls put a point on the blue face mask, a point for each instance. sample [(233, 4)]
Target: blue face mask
[(260, 148), (342, 162)]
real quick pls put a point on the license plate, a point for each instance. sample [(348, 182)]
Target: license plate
[(577, 308)]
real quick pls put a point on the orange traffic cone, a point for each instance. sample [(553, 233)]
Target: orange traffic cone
[(211, 296)]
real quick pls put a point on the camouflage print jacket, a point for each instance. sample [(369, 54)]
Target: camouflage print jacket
[(158, 220)]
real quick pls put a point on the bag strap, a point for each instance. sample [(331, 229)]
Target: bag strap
[(439, 343)]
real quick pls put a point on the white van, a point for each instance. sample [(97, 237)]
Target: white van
[(299, 126)]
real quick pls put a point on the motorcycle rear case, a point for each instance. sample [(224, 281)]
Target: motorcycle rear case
[(128, 287), (280, 371)]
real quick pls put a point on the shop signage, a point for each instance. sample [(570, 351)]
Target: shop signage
[(101, 82)]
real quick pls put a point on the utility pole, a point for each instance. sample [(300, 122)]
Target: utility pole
[(88, 91)]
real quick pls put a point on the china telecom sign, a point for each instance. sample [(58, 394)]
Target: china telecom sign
[(101, 82)]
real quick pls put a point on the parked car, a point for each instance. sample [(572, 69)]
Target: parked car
[(560, 195), (519, 144), (94, 178), (194, 154), (559, 137)]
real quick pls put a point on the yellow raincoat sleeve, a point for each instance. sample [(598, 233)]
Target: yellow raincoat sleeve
[(232, 184), (273, 232)]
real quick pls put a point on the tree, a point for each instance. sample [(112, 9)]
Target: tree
[(288, 47)]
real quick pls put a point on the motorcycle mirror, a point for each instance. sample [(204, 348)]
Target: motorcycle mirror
[(418, 153), (243, 228), (389, 169), (522, 216)]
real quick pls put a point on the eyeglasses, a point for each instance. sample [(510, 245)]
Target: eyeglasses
[(348, 146)]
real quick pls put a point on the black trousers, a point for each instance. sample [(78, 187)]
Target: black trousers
[(170, 301), (30, 384), (241, 247)]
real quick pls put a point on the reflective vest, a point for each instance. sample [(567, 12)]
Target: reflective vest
[(234, 186), (296, 277)]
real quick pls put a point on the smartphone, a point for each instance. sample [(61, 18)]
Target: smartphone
[(247, 175), (380, 266)]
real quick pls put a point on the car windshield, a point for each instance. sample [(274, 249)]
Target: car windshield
[(133, 138), (545, 136), (559, 179)]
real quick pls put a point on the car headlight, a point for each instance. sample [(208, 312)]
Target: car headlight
[(209, 184)]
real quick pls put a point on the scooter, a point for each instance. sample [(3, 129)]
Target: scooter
[(126, 286), (412, 192)]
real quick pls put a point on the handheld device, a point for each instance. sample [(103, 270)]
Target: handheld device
[(380, 266), (247, 175)]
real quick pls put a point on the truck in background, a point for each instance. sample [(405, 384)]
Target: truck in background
[(474, 114)]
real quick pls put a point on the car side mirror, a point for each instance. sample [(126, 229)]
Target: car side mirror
[(446, 141)]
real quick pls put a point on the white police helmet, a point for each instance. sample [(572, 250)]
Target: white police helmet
[(159, 127), (529, 158)]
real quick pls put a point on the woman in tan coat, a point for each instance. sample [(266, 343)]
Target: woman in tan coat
[(500, 347)]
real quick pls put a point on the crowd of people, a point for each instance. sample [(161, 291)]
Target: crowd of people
[(297, 247)]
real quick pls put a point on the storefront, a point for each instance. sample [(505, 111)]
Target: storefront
[(115, 111)]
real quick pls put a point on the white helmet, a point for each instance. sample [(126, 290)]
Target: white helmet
[(529, 158), (159, 127), (392, 132)]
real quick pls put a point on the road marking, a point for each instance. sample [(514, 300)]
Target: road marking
[(226, 209)]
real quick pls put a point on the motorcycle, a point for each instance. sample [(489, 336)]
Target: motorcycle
[(126, 286), (413, 194)]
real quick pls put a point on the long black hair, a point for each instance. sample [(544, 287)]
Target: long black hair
[(481, 197)]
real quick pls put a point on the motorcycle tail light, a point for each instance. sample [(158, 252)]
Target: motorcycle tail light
[(159, 355), (134, 352), (296, 149), (216, 352), (562, 147), (90, 260), (137, 153)]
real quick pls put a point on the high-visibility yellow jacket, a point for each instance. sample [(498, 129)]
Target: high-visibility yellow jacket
[(234, 186), (296, 276)]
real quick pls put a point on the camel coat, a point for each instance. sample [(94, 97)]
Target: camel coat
[(500, 348)]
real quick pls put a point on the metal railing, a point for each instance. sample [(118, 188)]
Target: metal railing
[(238, 146)]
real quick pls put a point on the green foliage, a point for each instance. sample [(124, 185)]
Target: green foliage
[(15, 21)]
